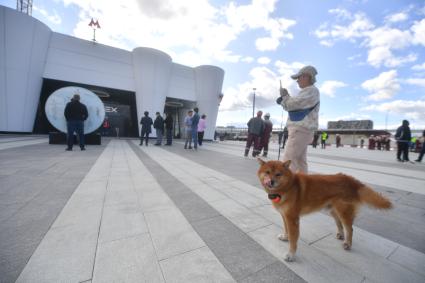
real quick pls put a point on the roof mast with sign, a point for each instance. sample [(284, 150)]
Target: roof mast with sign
[(94, 25), (24, 6)]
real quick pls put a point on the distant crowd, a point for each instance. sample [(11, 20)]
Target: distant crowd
[(195, 126)]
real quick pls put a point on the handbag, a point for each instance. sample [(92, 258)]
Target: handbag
[(298, 115)]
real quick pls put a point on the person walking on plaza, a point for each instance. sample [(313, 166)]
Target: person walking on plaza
[(338, 140), (188, 129), (403, 136), (169, 128), (315, 139), (372, 142), (421, 154), (195, 122), (265, 137), (303, 117), (201, 129), (255, 130), (159, 128), (75, 114), (323, 139), (285, 136), (146, 123), (106, 126)]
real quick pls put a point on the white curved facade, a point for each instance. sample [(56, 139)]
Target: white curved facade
[(31, 52)]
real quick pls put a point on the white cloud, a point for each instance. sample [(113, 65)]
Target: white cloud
[(266, 83), (354, 57), (416, 81), (418, 30), (357, 28), (397, 17), (419, 67), (194, 28), (384, 86), (263, 60), (329, 88), (266, 43), (381, 42), (55, 18), (257, 16), (247, 59), (408, 108), (340, 13), (327, 43), (241, 97)]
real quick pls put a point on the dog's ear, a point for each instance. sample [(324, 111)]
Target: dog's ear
[(260, 161), (286, 164)]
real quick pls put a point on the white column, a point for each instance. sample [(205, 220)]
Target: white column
[(24, 42), (152, 72), (209, 83)]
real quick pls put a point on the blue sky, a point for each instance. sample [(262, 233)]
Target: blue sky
[(370, 55)]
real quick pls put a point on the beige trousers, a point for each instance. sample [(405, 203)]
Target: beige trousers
[(296, 148)]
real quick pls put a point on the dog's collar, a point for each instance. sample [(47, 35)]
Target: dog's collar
[(275, 198)]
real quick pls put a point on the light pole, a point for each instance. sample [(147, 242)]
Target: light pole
[(386, 121), (253, 104)]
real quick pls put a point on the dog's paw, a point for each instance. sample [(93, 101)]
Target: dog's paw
[(289, 257), (340, 236), (346, 246), (283, 237)]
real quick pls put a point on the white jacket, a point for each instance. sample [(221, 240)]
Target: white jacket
[(306, 98)]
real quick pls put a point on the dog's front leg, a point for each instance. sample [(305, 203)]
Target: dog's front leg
[(292, 224), (284, 235)]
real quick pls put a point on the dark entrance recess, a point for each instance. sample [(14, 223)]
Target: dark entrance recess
[(177, 108), (120, 108)]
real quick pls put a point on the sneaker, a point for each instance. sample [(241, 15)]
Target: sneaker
[(83, 148), (190, 147), (157, 144), (399, 160), (185, 147), (418, 160), (68, 149)]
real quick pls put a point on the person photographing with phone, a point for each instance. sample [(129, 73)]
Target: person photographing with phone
[(303, 117)]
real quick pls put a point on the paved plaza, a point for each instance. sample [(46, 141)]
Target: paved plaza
[(121, 212)]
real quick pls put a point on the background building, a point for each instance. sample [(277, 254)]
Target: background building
[(351, 125), (35, 61)]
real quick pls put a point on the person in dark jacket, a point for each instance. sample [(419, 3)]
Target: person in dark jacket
[(285, 136), (159, 128), (315, 139), (255, 130), (403, 136), (169, 128), (265, 137), (146, 123), (75, 114), (195, 122)]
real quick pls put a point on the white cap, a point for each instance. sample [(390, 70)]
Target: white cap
[(267, 115), (309, 70)]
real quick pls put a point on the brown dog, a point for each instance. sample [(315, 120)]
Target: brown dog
[(296, 194)]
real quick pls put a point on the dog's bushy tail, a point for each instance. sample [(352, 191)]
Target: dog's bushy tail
[(372, 198)]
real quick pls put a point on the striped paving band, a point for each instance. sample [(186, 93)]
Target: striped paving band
[(244, 258)]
